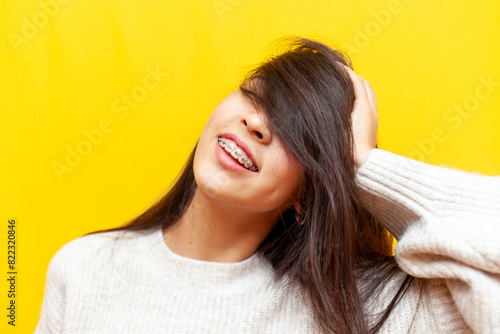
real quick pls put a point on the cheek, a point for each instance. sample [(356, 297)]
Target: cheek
[(292, 176), (280, 186), (207, 175)]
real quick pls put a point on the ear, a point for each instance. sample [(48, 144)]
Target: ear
[(298, 208), (296, 200)]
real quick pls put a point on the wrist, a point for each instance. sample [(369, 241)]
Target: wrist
[(362, 156)]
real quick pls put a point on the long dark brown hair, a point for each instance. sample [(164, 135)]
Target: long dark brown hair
[(307, 98)]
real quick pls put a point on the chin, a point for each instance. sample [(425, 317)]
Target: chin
[(210, 179)]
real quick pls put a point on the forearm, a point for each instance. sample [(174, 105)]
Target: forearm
[(399, 190), (447, 224)]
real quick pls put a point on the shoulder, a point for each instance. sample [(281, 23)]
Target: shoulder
[(89, 252), (431, 308), (91, 244), (425, 305)]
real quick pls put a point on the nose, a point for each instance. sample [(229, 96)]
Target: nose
[(256, 126)]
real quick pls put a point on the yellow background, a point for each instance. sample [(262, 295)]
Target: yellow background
[(67, 74)]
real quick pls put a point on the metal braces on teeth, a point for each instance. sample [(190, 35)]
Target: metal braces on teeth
[(241, 159)]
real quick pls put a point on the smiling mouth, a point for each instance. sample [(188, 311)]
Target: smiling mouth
[(237, 154)]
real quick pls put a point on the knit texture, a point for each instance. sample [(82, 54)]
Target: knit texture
[(447, 223)]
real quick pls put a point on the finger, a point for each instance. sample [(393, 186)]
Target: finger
[(360, 92), (371, 94)]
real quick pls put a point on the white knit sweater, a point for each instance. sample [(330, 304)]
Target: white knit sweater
[(447, 224)]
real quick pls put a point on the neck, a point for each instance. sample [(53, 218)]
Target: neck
[(210, 231)]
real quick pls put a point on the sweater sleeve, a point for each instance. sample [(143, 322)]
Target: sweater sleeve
[(53, 305), (447, 223)]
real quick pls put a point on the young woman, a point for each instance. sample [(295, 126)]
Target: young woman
[(270, 227)]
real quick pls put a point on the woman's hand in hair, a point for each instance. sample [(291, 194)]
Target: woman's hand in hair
[(364, 117)]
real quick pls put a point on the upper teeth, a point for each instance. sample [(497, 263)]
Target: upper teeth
[(236, 153)]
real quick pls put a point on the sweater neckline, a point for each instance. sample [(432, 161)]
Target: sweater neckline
[(209, 274)]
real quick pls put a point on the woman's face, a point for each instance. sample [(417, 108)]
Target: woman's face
[(241, 163)]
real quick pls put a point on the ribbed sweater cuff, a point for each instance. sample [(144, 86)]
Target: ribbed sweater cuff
[(399, 191)]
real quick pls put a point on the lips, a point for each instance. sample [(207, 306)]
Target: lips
[(241, 144), (236, 153)]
